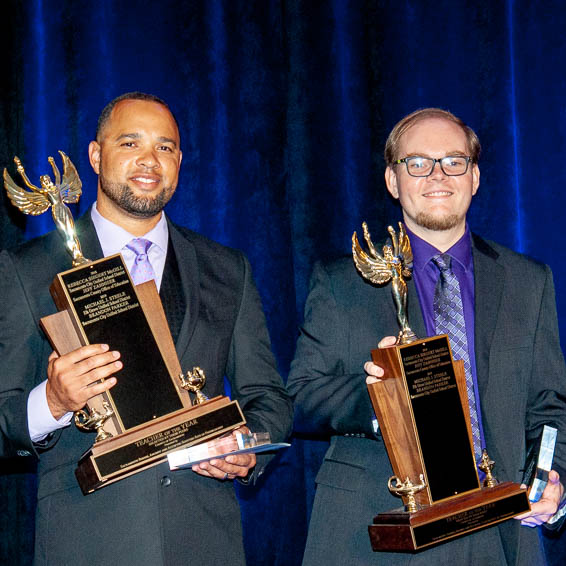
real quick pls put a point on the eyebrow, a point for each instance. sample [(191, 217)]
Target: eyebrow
[(448, 154), (136, 136)]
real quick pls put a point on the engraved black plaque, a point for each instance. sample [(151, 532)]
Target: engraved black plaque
[(439, 418), (107, 309)]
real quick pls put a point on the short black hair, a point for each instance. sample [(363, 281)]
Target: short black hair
[(107, 110)]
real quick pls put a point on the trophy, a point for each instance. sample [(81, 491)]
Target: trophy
[(421, 405), (149, 413)]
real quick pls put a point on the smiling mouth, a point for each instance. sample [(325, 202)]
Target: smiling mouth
[(145, 180), (438, 194)]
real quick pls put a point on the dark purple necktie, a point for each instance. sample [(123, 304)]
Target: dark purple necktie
[(449, 319)]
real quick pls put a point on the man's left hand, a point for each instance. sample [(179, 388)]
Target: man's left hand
[(230, 467), (547, 505)]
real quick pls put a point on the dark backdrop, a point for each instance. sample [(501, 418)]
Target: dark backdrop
[(284, 108)]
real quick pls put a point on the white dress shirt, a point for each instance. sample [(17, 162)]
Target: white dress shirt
[(113, 239)]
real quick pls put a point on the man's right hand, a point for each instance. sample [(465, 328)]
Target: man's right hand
[(71, 378), (373, 371)]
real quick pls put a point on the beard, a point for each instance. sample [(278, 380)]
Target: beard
[(139, 206), (437, 223)]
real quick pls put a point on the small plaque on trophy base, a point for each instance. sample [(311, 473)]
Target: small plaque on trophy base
[(402, 531), (149, 444)]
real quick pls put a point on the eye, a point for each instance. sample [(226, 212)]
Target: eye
[(128, 144), (454, 161), (165, 148), (416, 163)]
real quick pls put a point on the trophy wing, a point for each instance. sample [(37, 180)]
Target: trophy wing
[(27, 201), (71, 185), (374, 269)]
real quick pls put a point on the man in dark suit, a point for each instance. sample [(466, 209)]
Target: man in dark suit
[(215, 315), (516, 365)]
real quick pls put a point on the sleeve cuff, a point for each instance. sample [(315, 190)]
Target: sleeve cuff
[(41, 422)]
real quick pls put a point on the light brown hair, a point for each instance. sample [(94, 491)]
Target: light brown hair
[(391, 152)]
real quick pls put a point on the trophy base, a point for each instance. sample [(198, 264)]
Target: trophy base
[(400, 531), (148, 444)]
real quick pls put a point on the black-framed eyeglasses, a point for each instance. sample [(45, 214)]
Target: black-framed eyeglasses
[(452, 165)]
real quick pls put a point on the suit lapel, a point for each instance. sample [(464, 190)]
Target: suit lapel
[(188, 270), (489, 278), (87, 237)]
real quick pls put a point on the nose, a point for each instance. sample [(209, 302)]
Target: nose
[(436, 170), (148, 159)]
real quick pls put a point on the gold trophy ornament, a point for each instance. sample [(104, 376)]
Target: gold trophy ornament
[(486, 466), (147, 414), (51, 195), (194, 382), (421, 405), (93, 420), (395, 264), (406, 489)]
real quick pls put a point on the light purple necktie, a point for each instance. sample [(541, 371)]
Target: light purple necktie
[(449, 319), (142, 270)]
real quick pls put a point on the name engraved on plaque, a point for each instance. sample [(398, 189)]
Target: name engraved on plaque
[(101, 295), (432, 371)]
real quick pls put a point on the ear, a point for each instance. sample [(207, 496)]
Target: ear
[(94, 156), (475, 178), (391, 182)]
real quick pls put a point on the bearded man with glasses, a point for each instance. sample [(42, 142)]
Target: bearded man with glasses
[(511, 351)]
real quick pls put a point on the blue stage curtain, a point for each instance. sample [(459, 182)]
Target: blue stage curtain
[(284, 107)]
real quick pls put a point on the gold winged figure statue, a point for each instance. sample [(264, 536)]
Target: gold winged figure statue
[(394, 265), (56, 195)]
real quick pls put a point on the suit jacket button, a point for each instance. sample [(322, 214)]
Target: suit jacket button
[(165, 481)]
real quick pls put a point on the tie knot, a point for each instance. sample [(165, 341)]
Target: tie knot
[(443, 262), (139, 246)]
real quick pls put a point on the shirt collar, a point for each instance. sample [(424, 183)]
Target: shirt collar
[(114, 238), (423, 252)]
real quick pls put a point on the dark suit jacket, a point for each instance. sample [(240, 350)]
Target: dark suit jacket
[(156, 516), (522, 386)]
